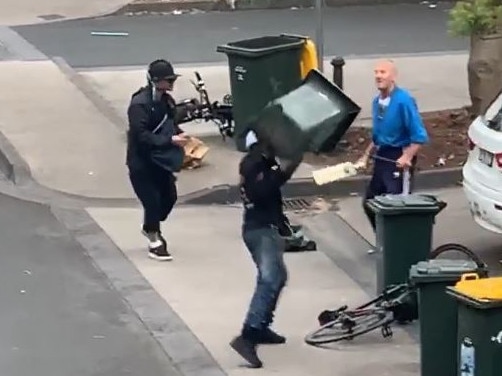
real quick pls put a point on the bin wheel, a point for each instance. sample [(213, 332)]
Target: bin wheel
[(387, 331), (458, 248), (350, 324), (227, 99), (311, 246)]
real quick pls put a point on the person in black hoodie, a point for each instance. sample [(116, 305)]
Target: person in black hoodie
[(155, 152), (261, 179)]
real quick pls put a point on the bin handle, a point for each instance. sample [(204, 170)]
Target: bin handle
[(294, 36), (469, 277)]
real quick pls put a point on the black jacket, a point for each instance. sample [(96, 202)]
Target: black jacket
[(151, 127), (260, 189)]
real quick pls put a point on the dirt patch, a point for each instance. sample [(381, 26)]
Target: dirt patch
[(447, 148)]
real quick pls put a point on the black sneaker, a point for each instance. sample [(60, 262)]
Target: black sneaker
[(160, 253), (247, 349), (269, 337)]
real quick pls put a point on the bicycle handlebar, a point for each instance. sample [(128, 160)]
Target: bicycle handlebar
[(204, 109)]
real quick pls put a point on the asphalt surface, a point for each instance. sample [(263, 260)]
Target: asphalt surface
[(190, 38), (4, 52), (59, 315)]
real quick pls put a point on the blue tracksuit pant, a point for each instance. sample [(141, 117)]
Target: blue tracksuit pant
[(387, 178)]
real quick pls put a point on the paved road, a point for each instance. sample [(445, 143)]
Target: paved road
[(4, 52), (193, 38), (59, 316)]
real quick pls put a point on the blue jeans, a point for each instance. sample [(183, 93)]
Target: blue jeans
[(266, 247)]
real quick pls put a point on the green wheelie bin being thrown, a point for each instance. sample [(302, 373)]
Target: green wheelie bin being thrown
[(479, 333), (261, 70), (437, 312), (311, 118), (404, 225)]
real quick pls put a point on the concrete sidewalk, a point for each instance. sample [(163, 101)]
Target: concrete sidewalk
[(68, 145), (71, 146), (453, 225), (210, 282), (209, 286), (437, 81)]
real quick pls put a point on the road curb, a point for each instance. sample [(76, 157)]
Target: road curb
[(222, 5), (12, 165), (188, 355), (16, 170), (25, 187), (88, 90), (305, 187)]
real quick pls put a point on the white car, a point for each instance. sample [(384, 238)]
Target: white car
[(482, 173)]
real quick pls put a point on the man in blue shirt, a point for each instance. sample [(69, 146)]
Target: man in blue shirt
[(398, 134)]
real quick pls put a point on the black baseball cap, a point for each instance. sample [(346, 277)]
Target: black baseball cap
[(161, 70)]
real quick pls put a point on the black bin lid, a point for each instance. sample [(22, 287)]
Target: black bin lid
[(441, 270), (406, 201)]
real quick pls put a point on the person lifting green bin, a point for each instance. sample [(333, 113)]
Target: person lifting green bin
[(479, 333), (261, 70), (404, 225), (437, 312)]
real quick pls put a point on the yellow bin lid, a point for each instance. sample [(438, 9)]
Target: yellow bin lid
[(477, 288)]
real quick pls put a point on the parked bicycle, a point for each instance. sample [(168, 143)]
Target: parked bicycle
[(219, 113)]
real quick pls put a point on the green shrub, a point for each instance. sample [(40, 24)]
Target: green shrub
[(475, 17)]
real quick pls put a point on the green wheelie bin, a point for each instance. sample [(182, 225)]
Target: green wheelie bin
[(437, 312), (404, 225), (261, 70), (479, 333), (311, 118)]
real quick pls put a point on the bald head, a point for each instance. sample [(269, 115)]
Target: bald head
[(385, 75)]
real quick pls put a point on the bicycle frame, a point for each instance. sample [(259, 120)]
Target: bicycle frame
[(388, 300)]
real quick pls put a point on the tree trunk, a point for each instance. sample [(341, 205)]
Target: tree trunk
[(484, 71)]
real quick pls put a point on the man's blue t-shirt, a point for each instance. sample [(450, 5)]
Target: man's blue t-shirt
[(397, 121)]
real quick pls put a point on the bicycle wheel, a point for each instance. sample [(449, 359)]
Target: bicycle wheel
[(454, 247), (361, 322)]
